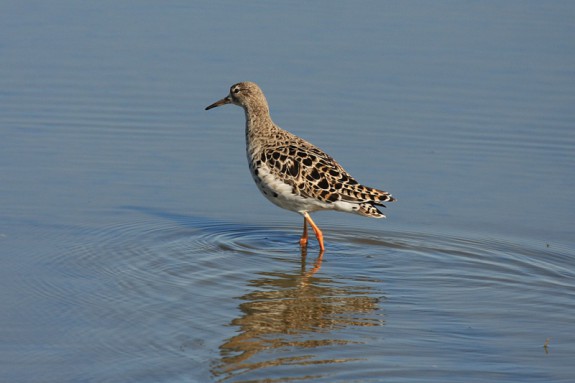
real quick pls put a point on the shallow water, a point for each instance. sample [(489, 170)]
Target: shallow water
[(136, 248), (170, 298)]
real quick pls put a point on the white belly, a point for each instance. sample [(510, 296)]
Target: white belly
[(281, 194)]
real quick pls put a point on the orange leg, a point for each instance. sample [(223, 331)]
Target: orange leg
[(303, 239), (316, 230)]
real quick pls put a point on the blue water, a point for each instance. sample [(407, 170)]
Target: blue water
[(135, 247)]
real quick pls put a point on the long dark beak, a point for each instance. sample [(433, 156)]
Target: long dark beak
[(223, 101)]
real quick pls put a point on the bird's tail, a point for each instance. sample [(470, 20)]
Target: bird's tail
[(374, 198)]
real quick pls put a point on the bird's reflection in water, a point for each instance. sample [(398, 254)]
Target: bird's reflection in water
[(289, 314)]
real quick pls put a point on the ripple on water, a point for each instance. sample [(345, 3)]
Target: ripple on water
[(242, 301)]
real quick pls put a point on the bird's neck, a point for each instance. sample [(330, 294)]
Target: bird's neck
[(259, 124)]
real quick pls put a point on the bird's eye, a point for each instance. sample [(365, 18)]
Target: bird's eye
[(237, 90)]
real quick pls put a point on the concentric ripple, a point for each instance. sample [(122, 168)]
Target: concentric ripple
[(238, 300), (232, 301)]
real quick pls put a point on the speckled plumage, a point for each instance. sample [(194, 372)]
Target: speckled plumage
[(291, 172)]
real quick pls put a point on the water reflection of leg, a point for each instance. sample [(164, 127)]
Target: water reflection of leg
[(303, 258), (316, 265)]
